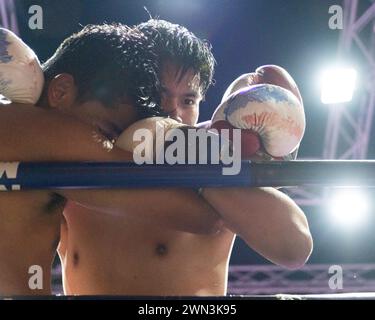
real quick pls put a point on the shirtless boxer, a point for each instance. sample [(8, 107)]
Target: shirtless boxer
[(91, 87), (139, 255)]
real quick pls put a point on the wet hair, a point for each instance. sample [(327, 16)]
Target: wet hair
[(109, 62), (177, 44)]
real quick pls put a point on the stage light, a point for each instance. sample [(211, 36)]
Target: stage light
[(337, 85), (349, 208)]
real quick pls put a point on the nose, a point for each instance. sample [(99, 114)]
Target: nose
[(170, 106)]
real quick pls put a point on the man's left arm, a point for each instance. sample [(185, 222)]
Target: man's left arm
[(267, 220), (268, 108)]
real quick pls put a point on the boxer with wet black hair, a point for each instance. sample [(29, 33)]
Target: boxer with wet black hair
[(99, 81), (146, 255)]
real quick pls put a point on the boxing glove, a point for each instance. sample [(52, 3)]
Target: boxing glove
[(270, 74), (268, 107), (21, 76), (146, 138)]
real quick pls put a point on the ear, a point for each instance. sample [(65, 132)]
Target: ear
[(62, 91)]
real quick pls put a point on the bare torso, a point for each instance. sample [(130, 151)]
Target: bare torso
[(30, 221), (104, 254), (29, 229)]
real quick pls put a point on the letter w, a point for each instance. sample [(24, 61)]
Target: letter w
[(9, 168)]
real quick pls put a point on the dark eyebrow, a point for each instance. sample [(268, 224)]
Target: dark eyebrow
[(190, 94)]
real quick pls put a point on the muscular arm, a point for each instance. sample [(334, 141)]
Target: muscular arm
[(181, 209), (268, 220), (28, 133)]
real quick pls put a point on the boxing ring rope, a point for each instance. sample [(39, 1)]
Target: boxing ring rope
[(97, 175)]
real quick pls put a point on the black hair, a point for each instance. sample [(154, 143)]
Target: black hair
[(177, 44), (108, 63)]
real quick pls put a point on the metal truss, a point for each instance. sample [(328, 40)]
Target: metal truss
[(311, 279), (349, 125), (8, 15)]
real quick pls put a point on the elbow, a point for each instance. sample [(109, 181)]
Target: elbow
[(299, 252), (213, 227), (299, 243)]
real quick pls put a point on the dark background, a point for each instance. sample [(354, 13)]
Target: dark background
[(244, 35)]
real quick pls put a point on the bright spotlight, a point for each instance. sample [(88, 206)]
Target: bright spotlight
[(337, 85), (349, 208)]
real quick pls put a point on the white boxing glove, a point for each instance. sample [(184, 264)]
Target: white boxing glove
[(274, 113), (256, 140), (21, 76), (148, 136)]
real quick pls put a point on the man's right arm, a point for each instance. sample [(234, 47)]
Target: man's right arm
[(28, 133), (175, 208)]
